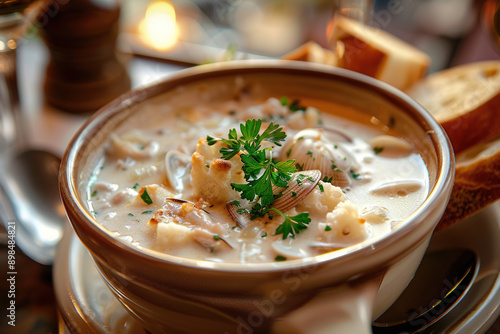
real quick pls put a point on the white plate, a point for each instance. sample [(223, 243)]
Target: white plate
[(86, 305)]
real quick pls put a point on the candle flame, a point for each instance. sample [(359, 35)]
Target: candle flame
[(159, 27)]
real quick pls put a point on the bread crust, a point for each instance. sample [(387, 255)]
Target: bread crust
[(474, 127), (477, 183), (466, 201)]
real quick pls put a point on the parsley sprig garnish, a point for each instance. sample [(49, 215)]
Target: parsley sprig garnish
[(292, 225), (250, 140), (262, 171)]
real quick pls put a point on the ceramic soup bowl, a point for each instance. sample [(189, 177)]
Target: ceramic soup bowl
[(336, 292)]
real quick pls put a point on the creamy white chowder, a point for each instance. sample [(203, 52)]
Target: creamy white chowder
[(164, 188)]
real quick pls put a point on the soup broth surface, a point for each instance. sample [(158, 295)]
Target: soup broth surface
[(162, 186)]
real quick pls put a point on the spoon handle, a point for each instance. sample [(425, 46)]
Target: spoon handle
[(15, 19), (10, 129)]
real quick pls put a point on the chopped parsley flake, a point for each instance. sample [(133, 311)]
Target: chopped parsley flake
[(303, 177), (131, 214), (284, 101), (94, 193), (135, 185), (327, 179), (207, 165), (354, 175), (320, 186), (146, 212), (216, 237), (377, 150), (336, 169), (328, 228), (309, 153), (145, 197), (294, 194), (264, 235), (295, 106), (279, 258)]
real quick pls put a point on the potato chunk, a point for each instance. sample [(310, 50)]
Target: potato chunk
[(323, 201), (345, 224)]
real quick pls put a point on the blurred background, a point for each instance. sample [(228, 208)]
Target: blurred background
[(155, 37), (450, 31)]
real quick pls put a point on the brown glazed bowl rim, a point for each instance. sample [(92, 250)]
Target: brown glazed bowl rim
[(439, 192)]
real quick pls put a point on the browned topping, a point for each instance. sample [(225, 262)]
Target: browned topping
[(221, 165)]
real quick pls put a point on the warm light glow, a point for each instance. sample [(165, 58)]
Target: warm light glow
[(12, 44), (159, 28)]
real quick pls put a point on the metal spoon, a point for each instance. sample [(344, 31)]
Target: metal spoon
[(441, 281), (30, 204)]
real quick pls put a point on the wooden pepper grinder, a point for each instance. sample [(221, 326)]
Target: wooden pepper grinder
[(83, 72)]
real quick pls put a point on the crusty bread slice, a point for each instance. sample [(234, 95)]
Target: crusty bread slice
[(313, 52), (466, 101), (377, 53), (477, 182)]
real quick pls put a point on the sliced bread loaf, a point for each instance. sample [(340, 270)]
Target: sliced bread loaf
[(466, 101)]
